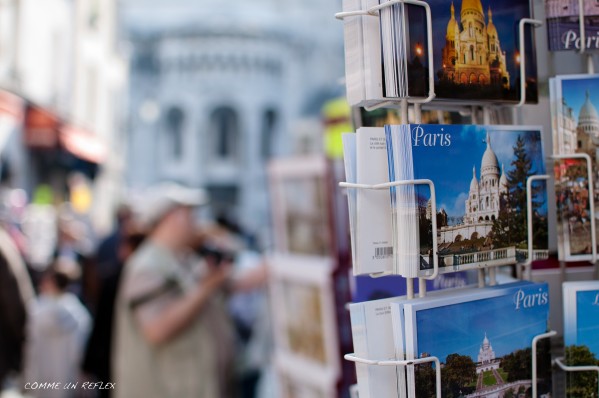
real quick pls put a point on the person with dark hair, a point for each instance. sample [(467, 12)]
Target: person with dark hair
[(59, 326), (97, 357)]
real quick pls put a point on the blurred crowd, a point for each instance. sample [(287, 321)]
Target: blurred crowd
[(169, 304)]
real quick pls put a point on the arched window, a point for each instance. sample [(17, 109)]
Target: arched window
[(269, 122), (224, 128), (174, 128)]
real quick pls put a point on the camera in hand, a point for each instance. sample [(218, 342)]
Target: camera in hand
[(216, 255)]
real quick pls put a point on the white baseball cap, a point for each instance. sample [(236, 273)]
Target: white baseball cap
[(158, 200)]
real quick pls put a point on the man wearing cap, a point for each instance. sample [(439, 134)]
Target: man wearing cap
[(173, 337)]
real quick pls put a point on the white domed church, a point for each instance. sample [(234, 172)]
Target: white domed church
[(483, 199), (588, 126), (217, 89), (483, 204), (486, 357)]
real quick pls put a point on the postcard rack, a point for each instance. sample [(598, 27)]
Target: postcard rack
[(534, 365), (527, 265), (431, 185), (411, 362), (374, 12), (524, 269), (402, 363), (535, 340), (418, 102)]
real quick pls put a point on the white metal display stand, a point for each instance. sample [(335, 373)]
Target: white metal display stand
[(387, 185), (559, 363), (353, 358), (402, 104)]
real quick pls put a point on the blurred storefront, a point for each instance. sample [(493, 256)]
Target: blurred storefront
[(63, 76), (57, 149)]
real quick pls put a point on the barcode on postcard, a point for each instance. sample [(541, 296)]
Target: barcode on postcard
[(383, 252)]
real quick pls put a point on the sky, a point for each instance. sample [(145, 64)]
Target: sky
[(588, 320), (506, 328), (506, 14), (450, 167), (574, 92)]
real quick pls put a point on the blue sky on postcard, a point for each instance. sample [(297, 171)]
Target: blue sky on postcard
[(460, 328)]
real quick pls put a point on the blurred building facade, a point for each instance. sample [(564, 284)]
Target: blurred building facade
[(61, 66), (217, 89)]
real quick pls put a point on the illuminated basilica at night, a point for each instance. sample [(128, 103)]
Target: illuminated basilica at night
[(472, 53)]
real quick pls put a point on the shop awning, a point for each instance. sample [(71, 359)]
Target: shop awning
[(45, 130), (41, 128), (82, 143)]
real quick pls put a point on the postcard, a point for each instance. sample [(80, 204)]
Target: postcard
[(581, 314), (563, 24), (350, 167), (476, 50), (479, 174), (353, 37), (405, 66), (362, 44), (581, 328), (483, 349), (303, 311), (476, 54), (367, 288), (575, 130), (376, 336), (372, 334), (374, 238), (292, 386), (300, 205)]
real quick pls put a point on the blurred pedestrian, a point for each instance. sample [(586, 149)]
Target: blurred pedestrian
[(16, 294), (57, 331), (107, 258), (97, 357), (74, 245), (173, 336)]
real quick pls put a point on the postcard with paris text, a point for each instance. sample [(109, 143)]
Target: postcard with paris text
[(480, 176), (484, 347)]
